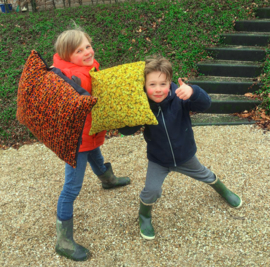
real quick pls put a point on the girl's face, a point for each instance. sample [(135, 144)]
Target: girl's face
[(84, 54), (157, 86)]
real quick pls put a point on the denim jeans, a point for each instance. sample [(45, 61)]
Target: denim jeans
[(74, 180)]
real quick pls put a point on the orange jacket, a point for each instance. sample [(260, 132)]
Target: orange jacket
[(89, 142)]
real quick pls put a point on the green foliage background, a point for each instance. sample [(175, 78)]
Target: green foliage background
[(121, 33)]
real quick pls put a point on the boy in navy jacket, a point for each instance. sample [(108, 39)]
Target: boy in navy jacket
[(170, 144)]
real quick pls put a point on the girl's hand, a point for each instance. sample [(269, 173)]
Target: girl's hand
[(184, 91)]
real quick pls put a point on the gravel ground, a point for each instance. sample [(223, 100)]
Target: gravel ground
[(194, 226)]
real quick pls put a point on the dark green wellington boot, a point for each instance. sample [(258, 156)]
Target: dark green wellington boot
[(145, 218), (65, 244), (231, 198), (109, 180)]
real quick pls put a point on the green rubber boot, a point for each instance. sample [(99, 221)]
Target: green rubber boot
[(231, 198), (65, 244), (145, 218), (109, 180)]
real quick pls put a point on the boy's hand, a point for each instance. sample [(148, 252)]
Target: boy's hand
[(184, 91)]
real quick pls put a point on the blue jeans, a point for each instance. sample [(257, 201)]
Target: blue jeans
[(74, 180)]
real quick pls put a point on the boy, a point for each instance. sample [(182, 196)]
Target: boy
[(75, 57), (170, 144)]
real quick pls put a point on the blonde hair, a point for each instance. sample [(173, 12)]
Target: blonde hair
[(68, 41), (158, 63)]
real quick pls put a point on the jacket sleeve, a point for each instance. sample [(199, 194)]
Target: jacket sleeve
[(129, 130), (199, 101)]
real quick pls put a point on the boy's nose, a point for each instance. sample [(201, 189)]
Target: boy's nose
[(88, 51)]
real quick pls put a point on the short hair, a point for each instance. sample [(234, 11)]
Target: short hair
[(68, 41), (158, 63)]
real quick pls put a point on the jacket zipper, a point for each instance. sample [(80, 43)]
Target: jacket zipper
[(160, 110)]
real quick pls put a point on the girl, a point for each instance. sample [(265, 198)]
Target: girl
[(75, 58)]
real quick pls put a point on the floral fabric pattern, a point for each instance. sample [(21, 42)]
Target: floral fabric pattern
[(121, 98)]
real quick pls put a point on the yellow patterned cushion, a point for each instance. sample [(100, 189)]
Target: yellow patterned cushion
[(121, 98)]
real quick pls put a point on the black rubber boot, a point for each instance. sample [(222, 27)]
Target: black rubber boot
[(231, 198), (109, 180), (145, 221), (65, 244)]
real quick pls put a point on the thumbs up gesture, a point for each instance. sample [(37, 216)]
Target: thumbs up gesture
[(184, 91)]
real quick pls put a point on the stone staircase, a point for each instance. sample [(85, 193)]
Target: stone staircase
[(237, 62)]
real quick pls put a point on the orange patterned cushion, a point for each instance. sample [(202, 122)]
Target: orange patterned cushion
[(53, 107)]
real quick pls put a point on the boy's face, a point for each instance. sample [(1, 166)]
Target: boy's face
[(157, 86), (84, 54)]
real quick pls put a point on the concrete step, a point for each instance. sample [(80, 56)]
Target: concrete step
[(237, 52), (237, 63), (226, 85), (246, 38), (257, 25), (230, 68), (208, 119), (224, 103), (263, 13)]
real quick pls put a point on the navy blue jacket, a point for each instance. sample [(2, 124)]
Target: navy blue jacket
[(171, 142)]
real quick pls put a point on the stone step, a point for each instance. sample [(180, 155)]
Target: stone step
[(237, 52), (246, 38), (263, 13), (237, 63), (257, 25), (208, 119), (224, 103), (226, 85), (230, 68)]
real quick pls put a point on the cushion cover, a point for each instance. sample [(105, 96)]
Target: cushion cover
[(52, 107), (122, 100)]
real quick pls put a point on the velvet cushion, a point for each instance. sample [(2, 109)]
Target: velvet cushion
[(122, 100), (53, 107)]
